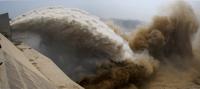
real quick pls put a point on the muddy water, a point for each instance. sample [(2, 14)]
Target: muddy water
[(73, 62)]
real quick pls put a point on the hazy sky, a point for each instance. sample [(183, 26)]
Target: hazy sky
[(123, 9)]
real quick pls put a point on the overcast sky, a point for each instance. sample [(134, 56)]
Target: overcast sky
[(124, 9)]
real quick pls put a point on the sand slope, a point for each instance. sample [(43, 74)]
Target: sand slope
[(28, 69)]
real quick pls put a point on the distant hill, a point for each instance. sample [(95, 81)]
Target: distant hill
[(126, 25)]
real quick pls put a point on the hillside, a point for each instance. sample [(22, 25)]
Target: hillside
[(126, 25), (24, 68)]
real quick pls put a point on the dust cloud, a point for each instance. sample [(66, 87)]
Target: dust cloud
[(172, 39), (163, 54)]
